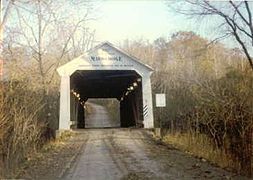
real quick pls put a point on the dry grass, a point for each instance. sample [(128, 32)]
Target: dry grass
[(51, 148), (200, 146), (56, 143), (24, 127)]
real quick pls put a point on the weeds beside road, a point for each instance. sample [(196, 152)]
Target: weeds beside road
[(53, 159)]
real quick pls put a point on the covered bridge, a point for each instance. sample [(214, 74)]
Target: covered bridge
[(106, 72)]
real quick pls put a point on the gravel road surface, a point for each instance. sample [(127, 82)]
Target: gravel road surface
[(116, 153), (99, 118), (133, 154)]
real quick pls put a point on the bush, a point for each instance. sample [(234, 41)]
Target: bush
[(224, 112), (219, 108), (24, 123)]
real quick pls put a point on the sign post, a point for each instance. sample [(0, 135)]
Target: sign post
[(160, 103)]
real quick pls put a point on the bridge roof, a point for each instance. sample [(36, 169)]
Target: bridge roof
[(105, 56)]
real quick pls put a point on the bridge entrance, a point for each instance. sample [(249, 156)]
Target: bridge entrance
[(106, 72), (124, 85)]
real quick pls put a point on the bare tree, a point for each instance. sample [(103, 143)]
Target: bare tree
[(4, 12), (235, 19), (46, 28)]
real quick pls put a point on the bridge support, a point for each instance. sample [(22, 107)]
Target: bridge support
[(127, 118), (80, 117), (147, 103), (64, 122)]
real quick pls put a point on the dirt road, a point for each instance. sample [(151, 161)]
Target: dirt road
[(133, 154), (99, 118), (115, 153)]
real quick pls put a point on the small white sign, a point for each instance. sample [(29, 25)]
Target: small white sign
[(160, 100)]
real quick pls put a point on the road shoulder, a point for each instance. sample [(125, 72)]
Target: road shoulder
[(54, 158)]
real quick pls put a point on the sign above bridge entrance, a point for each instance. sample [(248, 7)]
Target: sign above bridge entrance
[(108, 58)]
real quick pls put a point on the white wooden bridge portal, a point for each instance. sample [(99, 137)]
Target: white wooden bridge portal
[(106, 72)]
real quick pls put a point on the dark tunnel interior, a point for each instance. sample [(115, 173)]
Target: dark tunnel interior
[(124, 85)]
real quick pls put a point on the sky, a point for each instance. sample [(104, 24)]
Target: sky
[(118, 20), (147, 19)]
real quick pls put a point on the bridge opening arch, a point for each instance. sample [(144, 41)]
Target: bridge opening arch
[(124, 85), (106, 72)]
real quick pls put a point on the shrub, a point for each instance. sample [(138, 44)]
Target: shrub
[(24, 123)]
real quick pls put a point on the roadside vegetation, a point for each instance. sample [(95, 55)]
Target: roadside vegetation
[(209, 94), (27, 118)]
